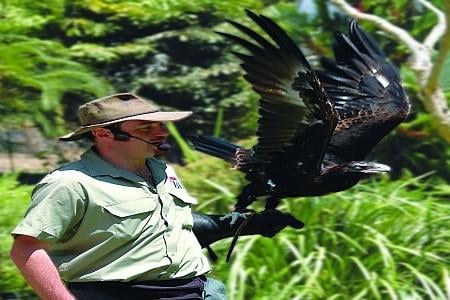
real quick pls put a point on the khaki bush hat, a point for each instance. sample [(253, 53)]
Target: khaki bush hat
[(118, 108)]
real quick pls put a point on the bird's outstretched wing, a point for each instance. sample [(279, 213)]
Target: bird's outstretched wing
[(297, 118), (366, 91)]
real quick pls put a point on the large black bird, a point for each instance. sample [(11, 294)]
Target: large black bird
[(315, 127)]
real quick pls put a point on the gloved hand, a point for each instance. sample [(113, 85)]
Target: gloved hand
[(269, 223), (210, 228)]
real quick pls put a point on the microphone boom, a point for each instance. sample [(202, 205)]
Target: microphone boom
[(160, 146)]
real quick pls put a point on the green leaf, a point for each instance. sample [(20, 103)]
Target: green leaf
[(445, 75)]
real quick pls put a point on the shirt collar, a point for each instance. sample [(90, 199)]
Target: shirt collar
[(158, 169), (97, 166)]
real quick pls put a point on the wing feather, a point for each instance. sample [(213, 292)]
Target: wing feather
[(366, 91), (293, 104)]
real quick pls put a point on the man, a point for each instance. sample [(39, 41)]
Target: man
[(118, 224)]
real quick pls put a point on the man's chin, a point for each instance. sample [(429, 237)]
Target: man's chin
[(161, 152)]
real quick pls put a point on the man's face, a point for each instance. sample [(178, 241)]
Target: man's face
[(149, 131), (133, 149)]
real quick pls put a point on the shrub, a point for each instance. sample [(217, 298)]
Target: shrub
[(15, 200)]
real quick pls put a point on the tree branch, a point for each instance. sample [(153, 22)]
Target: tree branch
[(386, 26), (439, 29), (433, 80)]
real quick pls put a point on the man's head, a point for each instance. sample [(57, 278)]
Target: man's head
[(119, 108), (126, 123), (133, 138)]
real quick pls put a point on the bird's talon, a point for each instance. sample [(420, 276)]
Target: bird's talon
[(235, 215)]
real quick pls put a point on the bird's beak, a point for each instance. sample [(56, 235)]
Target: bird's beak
[(376, 168)]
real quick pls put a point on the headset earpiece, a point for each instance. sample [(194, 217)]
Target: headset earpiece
[(121, 136)]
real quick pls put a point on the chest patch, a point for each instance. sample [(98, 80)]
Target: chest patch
[(173, 179), (175, 183)]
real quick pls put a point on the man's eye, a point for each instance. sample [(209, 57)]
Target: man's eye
[(151, 126)]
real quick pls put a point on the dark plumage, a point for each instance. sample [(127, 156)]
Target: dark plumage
[(315, 128)]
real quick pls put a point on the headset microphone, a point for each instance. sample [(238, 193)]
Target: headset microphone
[(124, 136), (163, 147)]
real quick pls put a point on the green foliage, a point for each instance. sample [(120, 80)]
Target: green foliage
[(28, 16), (410, 15), (445, 77), (35, 76), (15, 200), (204, 91), (219, 122), (212, 182), (412, 147), (76, 27), (188, 153), (103, 55), (148, 13), (382, 239), (165, 51), (313, 35)]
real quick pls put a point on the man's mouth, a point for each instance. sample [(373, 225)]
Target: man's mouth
[(157, 143), (162, 146)]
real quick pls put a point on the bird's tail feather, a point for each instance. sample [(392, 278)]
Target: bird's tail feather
[(215, 147)]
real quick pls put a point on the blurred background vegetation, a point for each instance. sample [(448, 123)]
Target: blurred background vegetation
[(387, 238)]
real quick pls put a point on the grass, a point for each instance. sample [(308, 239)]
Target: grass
[(382, 239)]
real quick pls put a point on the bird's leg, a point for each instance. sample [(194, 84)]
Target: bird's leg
[(239, 209), (239, 212), (271, 204), (247, 196), (241, 227), (270, 207), (273, 201)]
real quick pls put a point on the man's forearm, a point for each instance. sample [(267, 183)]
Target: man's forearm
[(211, 228), (38, 270)]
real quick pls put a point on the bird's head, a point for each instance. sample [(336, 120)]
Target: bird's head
[(365, 167)]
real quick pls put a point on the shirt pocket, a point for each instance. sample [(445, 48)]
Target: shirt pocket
[(183, 207), (129, 219)]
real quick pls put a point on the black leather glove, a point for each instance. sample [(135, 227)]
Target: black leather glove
[(210, 228)]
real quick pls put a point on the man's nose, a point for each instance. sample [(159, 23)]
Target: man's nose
[(163, 131)]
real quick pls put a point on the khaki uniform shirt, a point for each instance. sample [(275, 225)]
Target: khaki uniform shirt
[(106, 223)]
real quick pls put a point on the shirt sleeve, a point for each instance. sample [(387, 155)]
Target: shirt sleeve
[(57, 207)]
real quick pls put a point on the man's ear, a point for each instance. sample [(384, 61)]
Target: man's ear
[(102, 133)]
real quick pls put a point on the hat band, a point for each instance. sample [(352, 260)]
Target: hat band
[(127, 116)]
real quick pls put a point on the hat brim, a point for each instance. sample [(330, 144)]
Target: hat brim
[(161, 116)]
